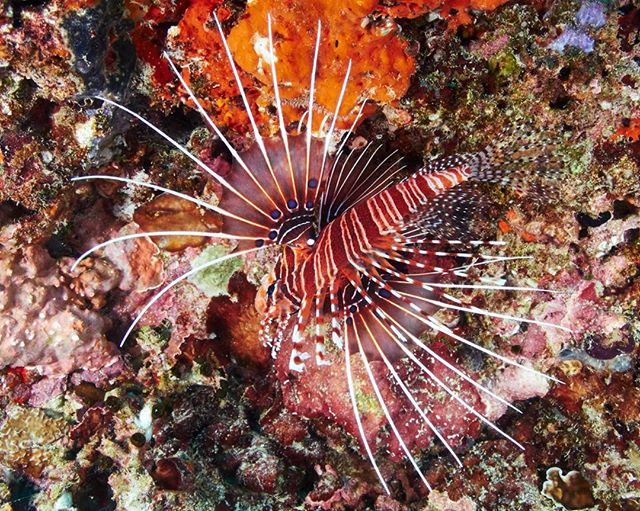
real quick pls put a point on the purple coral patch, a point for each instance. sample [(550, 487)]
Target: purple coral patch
[(591, 14), (574, 38)]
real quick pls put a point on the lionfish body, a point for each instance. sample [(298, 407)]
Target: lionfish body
[(327, 241), (362, 247)]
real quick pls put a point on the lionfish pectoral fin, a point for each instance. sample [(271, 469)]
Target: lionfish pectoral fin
[(395, 329), (396, 337), (356, 412), (359, 325), (401, 331)]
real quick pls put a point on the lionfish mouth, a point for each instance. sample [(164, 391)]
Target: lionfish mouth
[(365, 244)]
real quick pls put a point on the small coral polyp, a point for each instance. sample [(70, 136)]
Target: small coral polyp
[(570, 491), (367, 249)]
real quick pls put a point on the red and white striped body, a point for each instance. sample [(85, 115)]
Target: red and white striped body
[(349, 242), (346, 241)]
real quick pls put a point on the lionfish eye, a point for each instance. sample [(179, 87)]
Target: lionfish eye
[(385, 293)]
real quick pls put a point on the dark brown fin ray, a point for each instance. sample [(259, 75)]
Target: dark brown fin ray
[(521, 157), (356, 175), (260, 171)]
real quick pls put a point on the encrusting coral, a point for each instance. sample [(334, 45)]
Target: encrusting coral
[(380, 62), (29, 441), (571, 491), (456, 12), (44, 324)]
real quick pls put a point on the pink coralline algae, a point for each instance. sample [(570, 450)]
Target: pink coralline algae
[(186, 307), (440, 501), (583, 309), (322, 392), (137, 261), (44, 324), (514, 384)]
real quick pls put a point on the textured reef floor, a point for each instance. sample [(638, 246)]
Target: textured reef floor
[(193, 413)]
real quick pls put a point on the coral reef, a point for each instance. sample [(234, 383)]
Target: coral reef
[(192, 412), (44, 324), (571, 491), (380, 66), (28, 441), (456, 12)]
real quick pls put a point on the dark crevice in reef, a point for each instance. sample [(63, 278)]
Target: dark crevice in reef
[(621, 209), (104, 54), (561, 102), (11, 211), (587, 222), (179, 124), (58, 248), (22, 490), (87, 32), (95, 494), (38, 119), (17, 6)]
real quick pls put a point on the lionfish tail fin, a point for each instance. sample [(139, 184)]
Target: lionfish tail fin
[(524, 158)]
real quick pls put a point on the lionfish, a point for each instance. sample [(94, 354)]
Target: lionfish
[(360, 241)]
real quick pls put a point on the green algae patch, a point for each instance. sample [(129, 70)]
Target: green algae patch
[(367, 402), (213, 281), (504, 66), (154, 339)]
